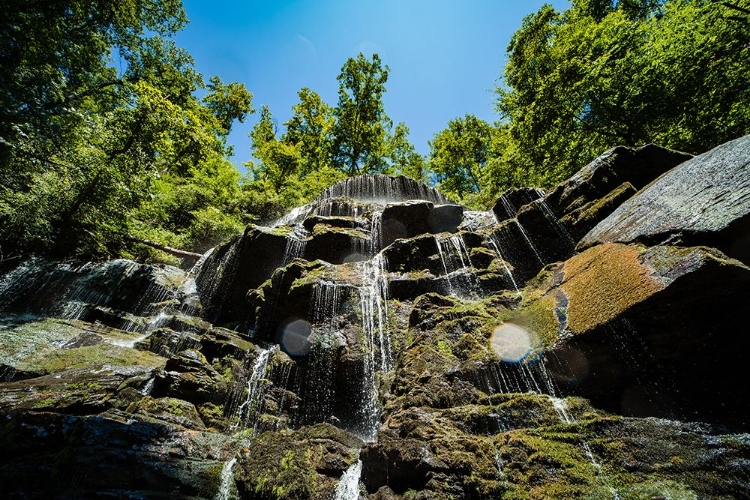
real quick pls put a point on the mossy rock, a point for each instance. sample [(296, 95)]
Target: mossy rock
[(306, 463)]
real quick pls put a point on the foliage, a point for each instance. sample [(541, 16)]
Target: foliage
[(83, 141), (607, 73), (320, 144), (361, 122), (458, 156)]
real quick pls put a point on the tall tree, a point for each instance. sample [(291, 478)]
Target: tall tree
[(628, 72), (82, 140), (459, 154), (361, 122), (310, 128), (403, 156)]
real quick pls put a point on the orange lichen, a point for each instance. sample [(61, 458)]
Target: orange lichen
[(603, 282)]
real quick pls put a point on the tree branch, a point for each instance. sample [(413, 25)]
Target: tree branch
[(170, 250)]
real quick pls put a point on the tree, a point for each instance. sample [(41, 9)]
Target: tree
[(310, 128), (361, 122), (83, 141), (602, 74), (458, 156), (403, 157)]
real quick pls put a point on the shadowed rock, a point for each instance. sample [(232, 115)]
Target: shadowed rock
[(705, 201)]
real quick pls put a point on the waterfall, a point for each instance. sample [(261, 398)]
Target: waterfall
[(528, 241), (375, 339), (226, 481), (257, 385), (382, 188), (555, 222), (317, 385), (348, 487), (456, 262), (296, 241), (495, 245)]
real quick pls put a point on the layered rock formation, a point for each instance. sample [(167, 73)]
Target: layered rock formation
[(383, 342)]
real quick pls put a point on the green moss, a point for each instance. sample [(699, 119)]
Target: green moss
[(90, 357), (444, 348)]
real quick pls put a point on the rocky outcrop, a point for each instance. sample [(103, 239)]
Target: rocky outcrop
[(704, 201), (467, 355)]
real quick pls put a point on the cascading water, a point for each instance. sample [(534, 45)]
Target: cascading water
[(348, 486), (495, 245), (456, 263), (226, 481), (249, 410)]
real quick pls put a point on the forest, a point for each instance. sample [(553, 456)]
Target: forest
[(113, 144)]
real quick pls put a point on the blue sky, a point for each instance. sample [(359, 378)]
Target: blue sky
[(444, 56)]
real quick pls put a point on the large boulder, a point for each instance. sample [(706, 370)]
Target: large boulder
[(636, 166), (404, 220), (704, 201), (512, 200), (237, 266), (646, 331), (445, 218)]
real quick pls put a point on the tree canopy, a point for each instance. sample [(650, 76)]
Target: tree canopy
[(97, 109), (110, 138), (605, 73)]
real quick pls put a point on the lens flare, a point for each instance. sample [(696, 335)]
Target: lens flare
[(512, 343), (294, 337)]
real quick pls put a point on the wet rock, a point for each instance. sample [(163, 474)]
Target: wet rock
[(646, 331), (235, 267), (404, 220), (190, 377), (704, 201), (445, 218), (64, 456), (337, 245), (77, 286), (331, 221), (508, 204), (414, 254), (169, 410), (619, 165), (580, 221), (551, 240), (306, 463), (166, 342)]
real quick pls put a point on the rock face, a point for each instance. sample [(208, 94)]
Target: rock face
[(384, 343), (703, 202)]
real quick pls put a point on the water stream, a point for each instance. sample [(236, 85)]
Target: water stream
[(249, 410), (226, 482), (348, 486)]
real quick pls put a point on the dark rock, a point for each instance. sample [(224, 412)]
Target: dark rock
[(445, 218), (549, 239), (583, 219), (414, 254), (118, 284), (332, 221), (648, 331), (306, 463), (63, 456), (166, 342), (234, 268), (637, 166), (404, 220), (337, 245), (702, 202), (512, 200), (190, 377)]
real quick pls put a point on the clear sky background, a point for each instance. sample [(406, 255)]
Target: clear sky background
[(445, 57)]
